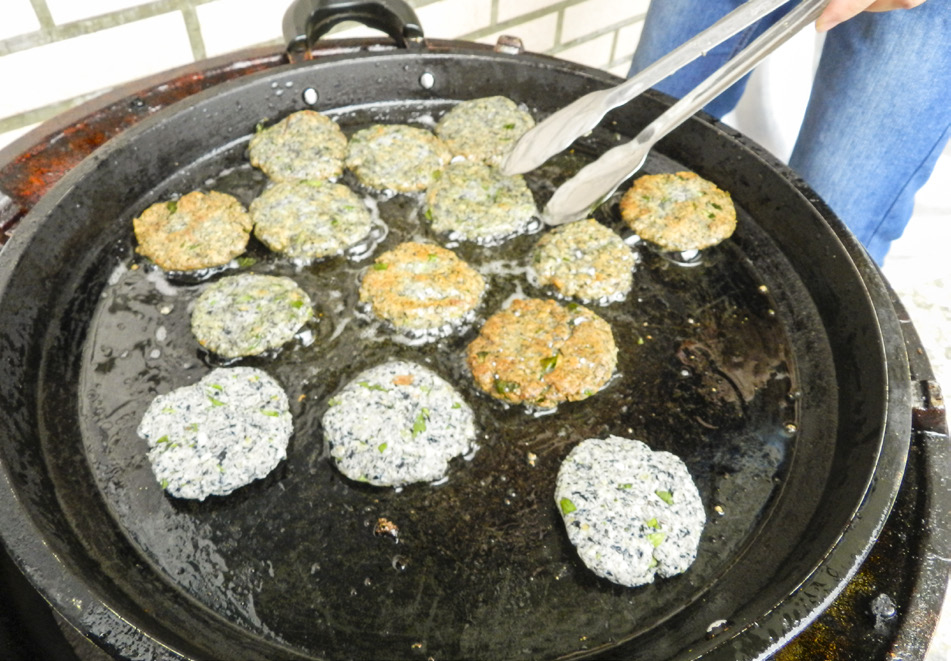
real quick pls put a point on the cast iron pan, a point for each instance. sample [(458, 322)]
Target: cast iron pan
[(764, 364)]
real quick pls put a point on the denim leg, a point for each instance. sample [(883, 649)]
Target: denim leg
[(669, 23), (878, 118)]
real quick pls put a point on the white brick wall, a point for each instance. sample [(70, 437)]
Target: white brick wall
[(18, 17), (67, 11), (448, 19), (10, 136), (56, 53), (627, 38), (538, 36), (595, 16), (509, 9), (593, 53), (225, 26), (64, 69)]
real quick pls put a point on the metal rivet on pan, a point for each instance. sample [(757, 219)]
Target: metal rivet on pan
[(509, 44), (310, 96), (427, 80)]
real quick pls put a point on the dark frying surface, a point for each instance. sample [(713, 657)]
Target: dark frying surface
[(482, 566)]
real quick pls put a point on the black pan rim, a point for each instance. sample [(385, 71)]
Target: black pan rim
[(883, 491)]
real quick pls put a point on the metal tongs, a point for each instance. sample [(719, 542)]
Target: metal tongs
[(594, 183)]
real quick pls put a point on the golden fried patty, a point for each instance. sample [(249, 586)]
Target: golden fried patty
[(679, 211), (584, 260), (303, 145), (197, 231), (421, 286), (540, 353), (397, 157), (484, 129)]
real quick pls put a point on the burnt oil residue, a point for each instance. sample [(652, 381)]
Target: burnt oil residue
[(481, 564)]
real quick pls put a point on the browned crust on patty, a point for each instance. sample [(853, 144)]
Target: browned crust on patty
[(678, 211), (197, 231), (540, 353), (421, 286)]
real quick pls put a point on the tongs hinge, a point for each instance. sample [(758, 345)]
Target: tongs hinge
[(596, 181)]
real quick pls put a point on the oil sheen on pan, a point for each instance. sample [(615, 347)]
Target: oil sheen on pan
[(482, 565)]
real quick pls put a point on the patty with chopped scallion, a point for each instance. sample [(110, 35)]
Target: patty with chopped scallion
[(421, 287), (310, 219), (397, 157), (197, 231), (303, 145), (679, 211), (476, 202), (631, 513), (584, 260), (540, 353), (484, 129), (210, 438), (248, 314), (397, 423)]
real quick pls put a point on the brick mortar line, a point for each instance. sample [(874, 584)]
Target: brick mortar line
[(193, 27), (43, 14), (614, 43), (54, 33), (618, 61), (556, 8), (559, 47), (43, 113), (495, 25)]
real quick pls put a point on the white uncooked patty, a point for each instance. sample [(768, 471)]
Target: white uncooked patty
[(250, 313), (224, 432), (396, 424), (630, 512)]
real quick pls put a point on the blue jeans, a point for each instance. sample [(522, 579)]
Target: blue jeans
[(878, 117)]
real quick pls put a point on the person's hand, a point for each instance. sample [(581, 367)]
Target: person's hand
[(842, 10)]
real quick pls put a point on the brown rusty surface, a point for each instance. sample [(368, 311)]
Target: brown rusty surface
[(928, 410)]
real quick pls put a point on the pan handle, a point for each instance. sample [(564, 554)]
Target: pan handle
[(307, 20)]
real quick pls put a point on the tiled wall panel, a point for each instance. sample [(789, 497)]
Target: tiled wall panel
[(56, 53), (593, 53), (509, 9), (449, 19), (18, 18), (67, 11), (596, 16), (39, 76), (226, 24), (627, 38), (538, 36)]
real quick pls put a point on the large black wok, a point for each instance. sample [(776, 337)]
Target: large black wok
[(771, 364)]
